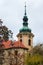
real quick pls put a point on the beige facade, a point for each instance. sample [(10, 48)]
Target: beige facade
[(27, 39)]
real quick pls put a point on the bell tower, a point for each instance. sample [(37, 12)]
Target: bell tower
[(25, 35)]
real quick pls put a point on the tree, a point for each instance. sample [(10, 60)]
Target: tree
[(5, 32), (35, 59)]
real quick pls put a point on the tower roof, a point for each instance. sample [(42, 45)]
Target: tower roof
[(25, 23), (25, 18), (25, 29)]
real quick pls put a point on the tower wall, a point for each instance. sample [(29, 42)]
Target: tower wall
[(25, 40)]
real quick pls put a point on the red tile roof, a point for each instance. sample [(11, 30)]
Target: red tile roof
[(9, 44), (19, 44)]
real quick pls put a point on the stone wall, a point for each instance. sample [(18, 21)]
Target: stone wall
[(12, 56)]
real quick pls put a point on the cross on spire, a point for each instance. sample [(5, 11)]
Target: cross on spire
[(25, 8)]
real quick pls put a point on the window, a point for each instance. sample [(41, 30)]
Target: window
[(16, 52), (20, 36), (20, 40), (29, 42)]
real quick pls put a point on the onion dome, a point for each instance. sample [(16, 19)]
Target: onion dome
[(25, 23), (25, 29)]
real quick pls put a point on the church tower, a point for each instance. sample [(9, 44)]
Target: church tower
[(25, 35)]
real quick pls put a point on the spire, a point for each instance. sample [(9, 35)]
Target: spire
[(25, 18), (25, 8), (25, 22)]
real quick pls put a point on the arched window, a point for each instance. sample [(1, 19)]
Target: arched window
[(29, 42), (20, 40)]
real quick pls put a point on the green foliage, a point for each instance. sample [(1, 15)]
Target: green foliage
[(5, 33), (35, 59)]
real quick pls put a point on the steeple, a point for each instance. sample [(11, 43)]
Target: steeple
[(25, 23), (25, 35), (25, 18)]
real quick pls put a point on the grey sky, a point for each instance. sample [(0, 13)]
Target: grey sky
[(12, 12)]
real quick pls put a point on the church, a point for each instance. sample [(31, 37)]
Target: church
[(13, 52)]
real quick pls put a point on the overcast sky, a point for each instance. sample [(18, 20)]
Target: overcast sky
[(12, 12)]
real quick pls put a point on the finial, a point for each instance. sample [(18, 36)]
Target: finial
[(25, 8), (25, 18)]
